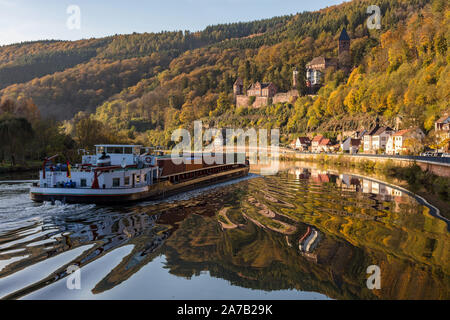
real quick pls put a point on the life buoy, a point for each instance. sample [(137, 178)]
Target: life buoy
[(148, 160)]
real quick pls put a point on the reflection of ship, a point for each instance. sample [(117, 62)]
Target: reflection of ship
[(144, 251), (308, 242), (108, 231)]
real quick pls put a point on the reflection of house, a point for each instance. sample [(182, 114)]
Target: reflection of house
[(301, 173), (397, 197), (349, 182), (377, 139), (319, 176), (302, 144), (369, 186), (384, 192), (442, 129), (394, 192), (405, 141)]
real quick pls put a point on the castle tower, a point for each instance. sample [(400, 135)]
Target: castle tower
[(344, 42), (238, 87), (344, 58), (294, 78)]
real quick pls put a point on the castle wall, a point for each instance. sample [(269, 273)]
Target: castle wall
[(260, 102), (290, 96), (242, 101)]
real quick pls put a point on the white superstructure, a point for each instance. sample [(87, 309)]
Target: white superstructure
[(112, 167)]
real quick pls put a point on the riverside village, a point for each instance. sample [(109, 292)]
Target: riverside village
[(379, 139)]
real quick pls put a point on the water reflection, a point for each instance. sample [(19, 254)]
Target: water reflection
[(306, 230)]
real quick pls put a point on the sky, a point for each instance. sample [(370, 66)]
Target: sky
[(29, 20)]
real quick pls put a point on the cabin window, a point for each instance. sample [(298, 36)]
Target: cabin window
[(116, 182), (83, 183), (138, 179), (128, 150), (114, 150), (145, 177), (127, 181)]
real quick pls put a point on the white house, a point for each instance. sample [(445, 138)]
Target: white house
[(320, 144), (405, 141), (315, 143), (302, 144), (377, 139)]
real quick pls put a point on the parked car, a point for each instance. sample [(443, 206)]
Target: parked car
[(427, 154), (446, 155)]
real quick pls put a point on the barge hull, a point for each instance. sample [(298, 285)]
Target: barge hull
[(155, 192)]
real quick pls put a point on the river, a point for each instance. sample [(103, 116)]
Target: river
[(304, 233)]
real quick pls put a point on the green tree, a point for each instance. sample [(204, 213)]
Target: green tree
[(89, 132), (15, 134)]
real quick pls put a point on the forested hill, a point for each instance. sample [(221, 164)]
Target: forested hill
[(144, 85), (64, 77)]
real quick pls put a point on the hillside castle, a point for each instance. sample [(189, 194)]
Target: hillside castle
[(315, 69), (261, 94)]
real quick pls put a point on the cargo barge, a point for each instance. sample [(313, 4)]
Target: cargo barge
[(118, 174)]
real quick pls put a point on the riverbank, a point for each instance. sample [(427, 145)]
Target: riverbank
[(19, 168), (29, 170), (433, 188)]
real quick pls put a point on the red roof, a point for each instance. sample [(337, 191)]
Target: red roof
[(401, 132), (304, 140), (324, 142), (408, 131), (317, 138)]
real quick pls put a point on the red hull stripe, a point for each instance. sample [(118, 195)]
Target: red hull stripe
[(84, 195)]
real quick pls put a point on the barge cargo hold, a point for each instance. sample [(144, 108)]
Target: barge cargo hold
[(119, 174)]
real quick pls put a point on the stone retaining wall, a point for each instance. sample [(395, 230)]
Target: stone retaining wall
[(438, 169)]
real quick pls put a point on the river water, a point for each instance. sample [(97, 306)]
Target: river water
[(305, 233)]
